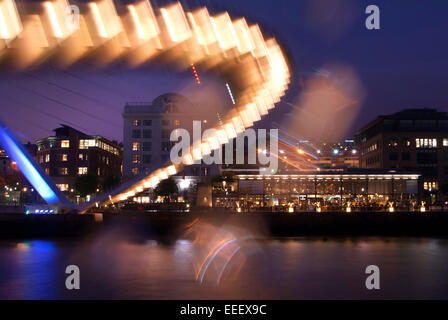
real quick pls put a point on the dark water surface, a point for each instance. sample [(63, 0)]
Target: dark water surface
[(299, 268)]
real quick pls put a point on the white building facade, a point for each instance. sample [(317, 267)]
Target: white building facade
[(146, 137)]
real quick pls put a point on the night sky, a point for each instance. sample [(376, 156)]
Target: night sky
[(403, 65)]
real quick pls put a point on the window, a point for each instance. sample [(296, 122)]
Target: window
[(165, 122), (373, 147), (64, 157), (147, 146), (147, 123), (136, 134), (136, 158), (62, 186), (47, 157), (65, 143), (393, 156), (176, 123), (146, 158), (166, 146), (47, 170), (393, 143), (445, 142), (136, 123), (405, 156), (82, 170), (166, 134), (164, 158), (63, 171), (427, 157), (87, 143), (135, 146), (134, 171), (430, 186), (426, 143), (147, 134), (107, 147), (98, 171)]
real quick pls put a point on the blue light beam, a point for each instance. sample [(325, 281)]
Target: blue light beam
[(31, 169)]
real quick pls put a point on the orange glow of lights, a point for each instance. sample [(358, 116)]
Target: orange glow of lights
[(195, 73), (141, 34)]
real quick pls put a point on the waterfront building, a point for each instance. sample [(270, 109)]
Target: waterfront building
[(342, 187), (147, 127), (71, 153), (413, 139)]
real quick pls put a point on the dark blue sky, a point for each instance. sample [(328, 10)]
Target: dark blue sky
[(403, 65)]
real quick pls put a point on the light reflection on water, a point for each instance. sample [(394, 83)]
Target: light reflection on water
[(301, 268)]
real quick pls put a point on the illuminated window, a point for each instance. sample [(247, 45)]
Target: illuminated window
[(136, 158), (47, 170), (62, 186), (426, 143), (393, 143), (82, 170), (136, 123), (81, 156), (65, 143), (176, 123), (86, 143), (64, 157), (134, 171), (47, 157), (445, 142), (63, 171), (136, 146), (99, 171), (431, 186)]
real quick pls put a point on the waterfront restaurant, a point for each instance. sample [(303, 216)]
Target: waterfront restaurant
[(334, 190)]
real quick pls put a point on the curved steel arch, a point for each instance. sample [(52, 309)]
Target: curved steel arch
[(251, 63)]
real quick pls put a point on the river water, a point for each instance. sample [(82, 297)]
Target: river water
[(297, 268)]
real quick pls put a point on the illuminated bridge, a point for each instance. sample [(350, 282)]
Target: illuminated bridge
[(239, 52)]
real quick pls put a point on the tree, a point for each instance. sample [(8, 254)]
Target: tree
[(110, 182), (86, 184), (166, 188)]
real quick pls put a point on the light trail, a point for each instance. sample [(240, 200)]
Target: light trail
[(230, 93), (256, 65)]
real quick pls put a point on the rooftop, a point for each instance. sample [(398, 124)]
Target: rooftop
[(168, 102)]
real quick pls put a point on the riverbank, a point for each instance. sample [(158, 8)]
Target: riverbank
[(173, 225)]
